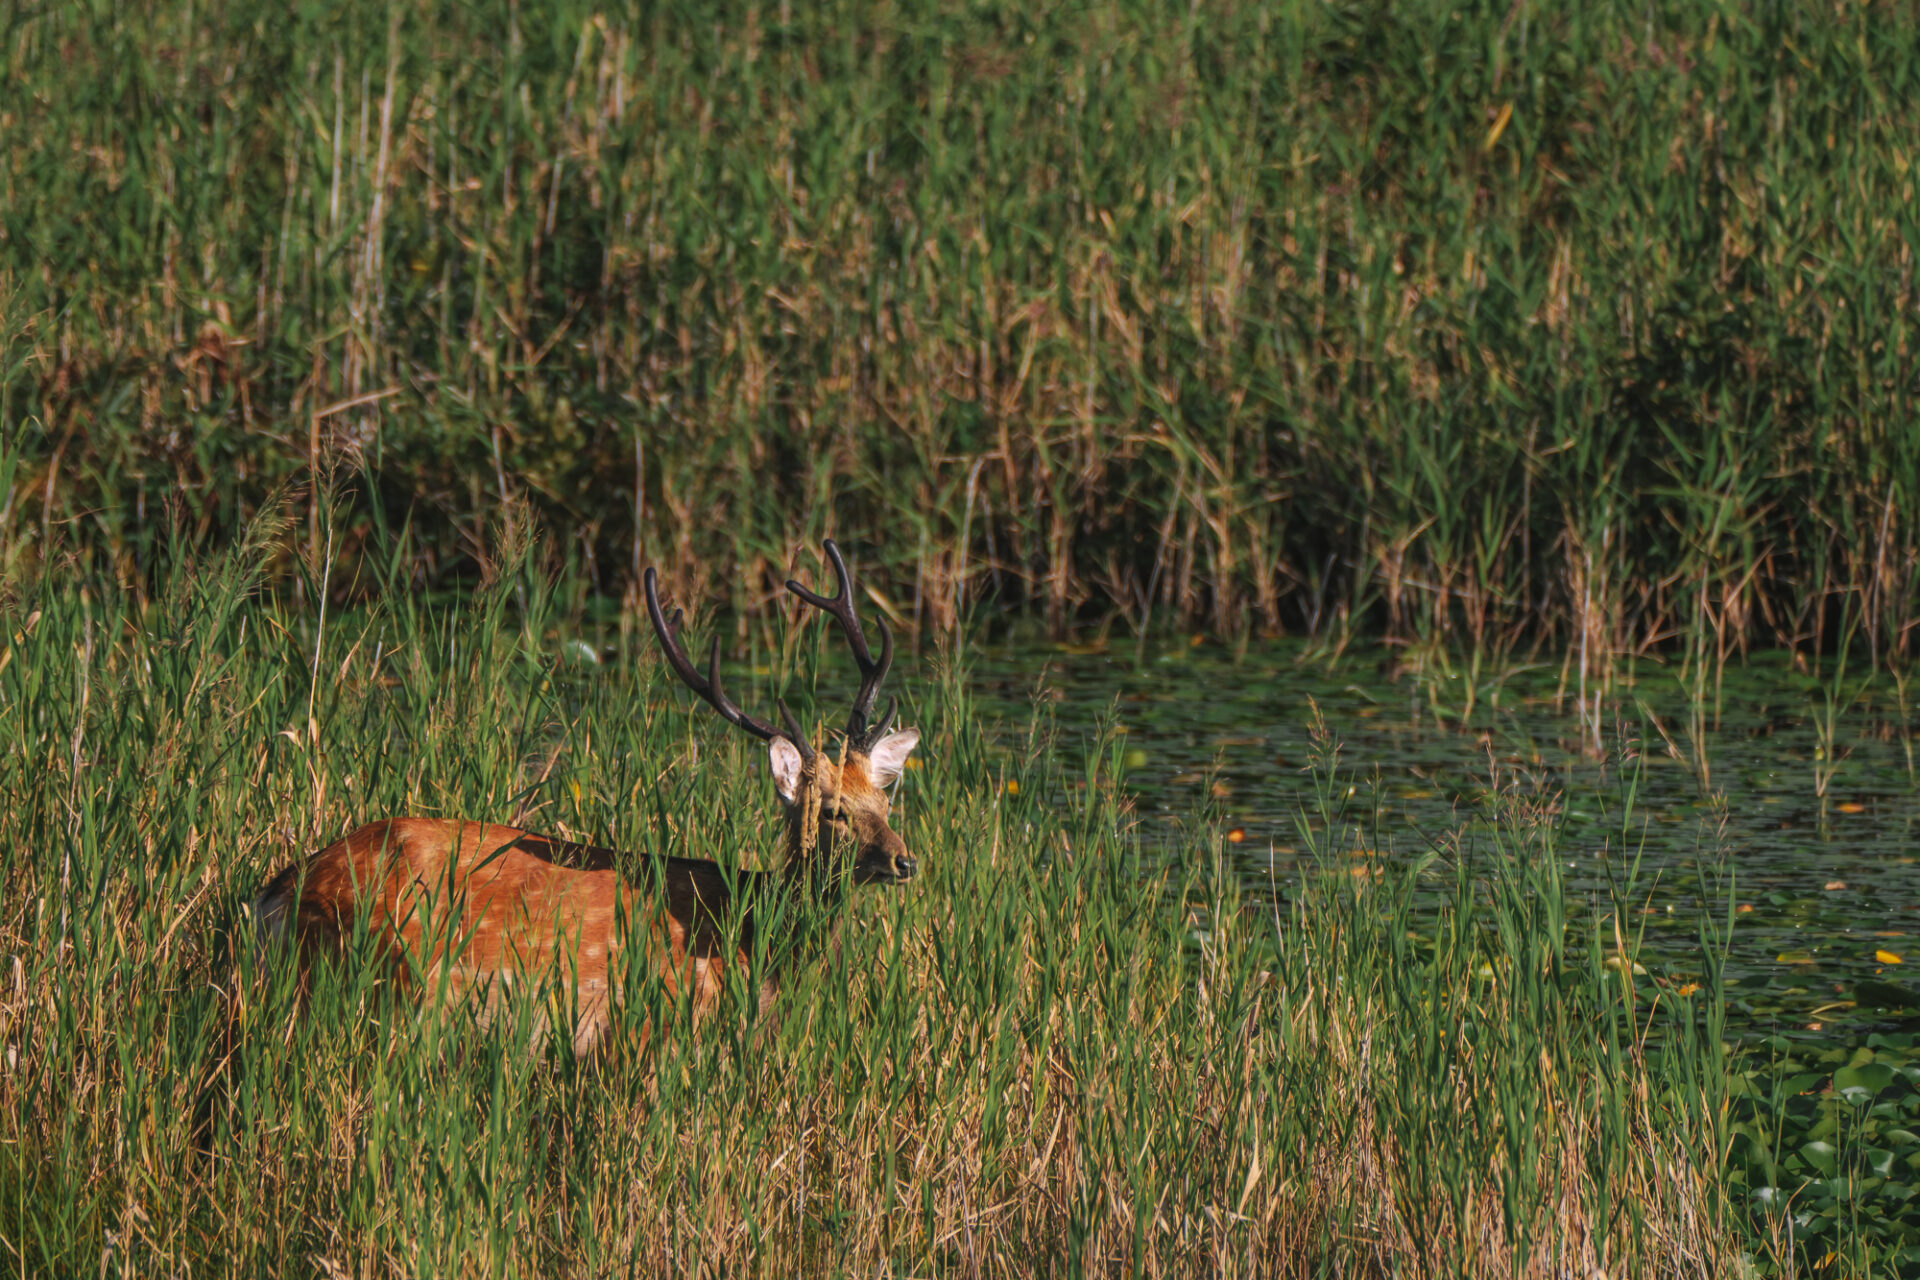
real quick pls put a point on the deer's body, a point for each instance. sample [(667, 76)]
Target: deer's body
[(465, 910), (461, 909)]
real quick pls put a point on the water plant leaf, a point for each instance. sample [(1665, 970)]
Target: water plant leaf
[(1822, 1155)]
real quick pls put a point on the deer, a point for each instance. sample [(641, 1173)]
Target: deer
[(470, 910)]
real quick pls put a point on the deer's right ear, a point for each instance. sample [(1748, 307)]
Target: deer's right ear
[(786, 767), (887, 757)]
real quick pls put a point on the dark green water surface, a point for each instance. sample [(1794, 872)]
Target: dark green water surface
[(1824, 880), (1791, 793)]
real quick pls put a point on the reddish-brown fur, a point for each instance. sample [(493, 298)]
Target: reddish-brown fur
[(460, 910)]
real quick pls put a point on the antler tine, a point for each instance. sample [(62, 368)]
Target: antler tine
[(795, 733), (841, 608), (839, 605), (709, 688)]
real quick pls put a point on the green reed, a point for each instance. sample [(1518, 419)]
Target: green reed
[(1486, 325), (1069, 1047)]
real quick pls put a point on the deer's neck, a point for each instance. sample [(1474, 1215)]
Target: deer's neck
[(810, 873), (814, 885), (796, 913)]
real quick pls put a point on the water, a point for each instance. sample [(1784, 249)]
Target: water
[(1798, 800), (1825, 880)]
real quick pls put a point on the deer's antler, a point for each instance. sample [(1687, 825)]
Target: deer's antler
[(708, 686), (840, 607)]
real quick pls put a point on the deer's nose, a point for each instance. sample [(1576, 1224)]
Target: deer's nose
[(904, 866)]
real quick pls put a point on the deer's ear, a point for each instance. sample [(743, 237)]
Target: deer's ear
[(786, 767), (889, 756)]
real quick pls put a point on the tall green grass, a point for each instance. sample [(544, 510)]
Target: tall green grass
[(1068, 1048), (1478, 324)]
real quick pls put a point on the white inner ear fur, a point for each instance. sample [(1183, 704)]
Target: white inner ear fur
[(889, 756), (786, 767)]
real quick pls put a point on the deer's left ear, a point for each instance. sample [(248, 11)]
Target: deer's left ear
[(787, 766), (889, 755)]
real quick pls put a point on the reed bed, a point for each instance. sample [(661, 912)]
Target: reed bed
[(1480, 325), (1068, 1048)]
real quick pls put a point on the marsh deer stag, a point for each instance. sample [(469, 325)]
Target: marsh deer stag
[(467, 910)]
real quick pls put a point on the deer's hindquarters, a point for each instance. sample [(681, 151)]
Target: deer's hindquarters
[(459, 911)]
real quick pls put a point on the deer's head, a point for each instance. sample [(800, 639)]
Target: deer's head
[(837, 804), (835, 795)]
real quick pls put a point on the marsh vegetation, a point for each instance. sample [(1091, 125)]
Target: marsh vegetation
[(1475, 326), (1070, 1045), (1531, 383)]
